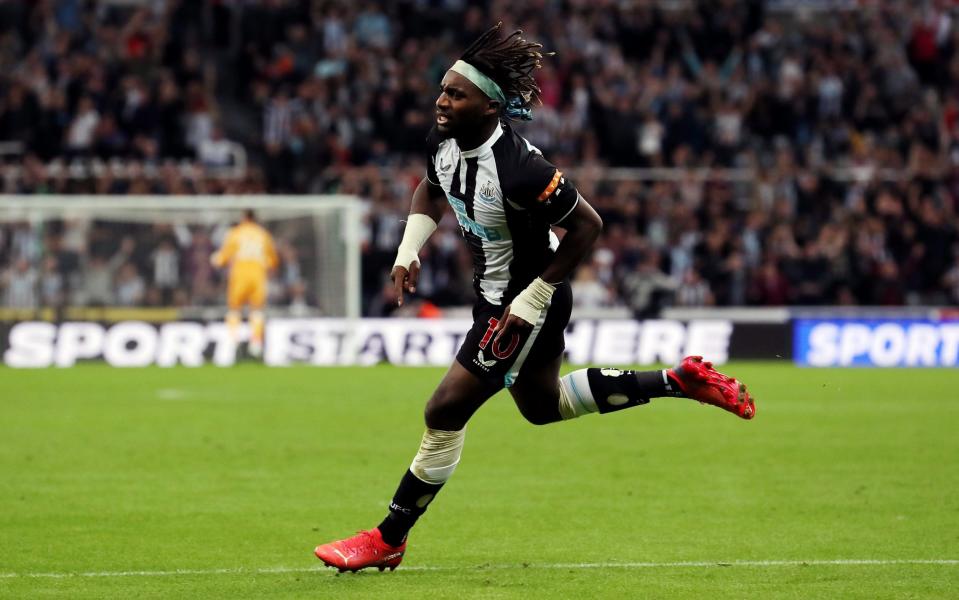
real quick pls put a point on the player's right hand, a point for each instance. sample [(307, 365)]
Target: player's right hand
[(404, 279)]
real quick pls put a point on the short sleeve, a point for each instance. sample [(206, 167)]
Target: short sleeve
[(432, 147), (542, 188)]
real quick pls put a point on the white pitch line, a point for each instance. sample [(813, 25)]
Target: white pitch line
[(601, 565)]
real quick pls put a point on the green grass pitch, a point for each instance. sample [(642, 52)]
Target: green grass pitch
[(213, 483)]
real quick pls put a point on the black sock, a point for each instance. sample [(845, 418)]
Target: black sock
[(655, 385), (409, 502), (614, 389)]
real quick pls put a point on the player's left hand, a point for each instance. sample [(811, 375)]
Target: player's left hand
[(509, 324)]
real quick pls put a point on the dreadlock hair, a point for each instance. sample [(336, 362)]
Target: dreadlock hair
[(508, 61)]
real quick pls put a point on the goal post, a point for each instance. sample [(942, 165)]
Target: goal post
[(321, 233)]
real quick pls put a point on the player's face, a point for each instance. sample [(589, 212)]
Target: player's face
[(461, 106)]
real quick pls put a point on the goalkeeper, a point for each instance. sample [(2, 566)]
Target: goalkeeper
[(506, 197), (250, 252)]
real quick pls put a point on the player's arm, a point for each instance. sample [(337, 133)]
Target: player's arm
[(539, 187), (429, 199), (427, 208), (583, 225), (225, 254)]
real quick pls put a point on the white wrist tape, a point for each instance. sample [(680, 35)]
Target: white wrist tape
[(529, 303), (419, 228)]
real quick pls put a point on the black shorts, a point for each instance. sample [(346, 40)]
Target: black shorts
[(499, 366)]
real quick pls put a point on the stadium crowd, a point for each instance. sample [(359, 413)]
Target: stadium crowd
[(786, 159)]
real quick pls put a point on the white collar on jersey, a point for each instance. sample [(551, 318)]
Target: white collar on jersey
[(477, 151)]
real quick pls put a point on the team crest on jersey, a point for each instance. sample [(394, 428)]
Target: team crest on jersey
[(487, 193)]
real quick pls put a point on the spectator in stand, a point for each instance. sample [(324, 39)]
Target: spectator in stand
[(588, 292), (647, 289), (19, 283), (693, 290), (82, 129), (99, 273), (166, 270), (52, 286), (951, 279), (130, 287)]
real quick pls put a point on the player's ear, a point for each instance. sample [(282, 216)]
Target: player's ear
[(492, 108)]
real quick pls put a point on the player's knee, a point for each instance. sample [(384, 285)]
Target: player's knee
[(538, 416), (536, 401), (538, 410)]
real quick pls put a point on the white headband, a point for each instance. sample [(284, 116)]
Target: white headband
[(484, 83)]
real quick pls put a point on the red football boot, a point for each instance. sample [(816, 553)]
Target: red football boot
[(700, 381), (365, 549)]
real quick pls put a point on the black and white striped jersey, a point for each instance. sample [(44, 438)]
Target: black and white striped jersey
[(505, 196)]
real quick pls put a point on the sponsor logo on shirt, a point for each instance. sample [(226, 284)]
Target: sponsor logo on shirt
[(490, 234)]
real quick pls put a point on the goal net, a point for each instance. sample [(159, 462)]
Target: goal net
[(63, 253)]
